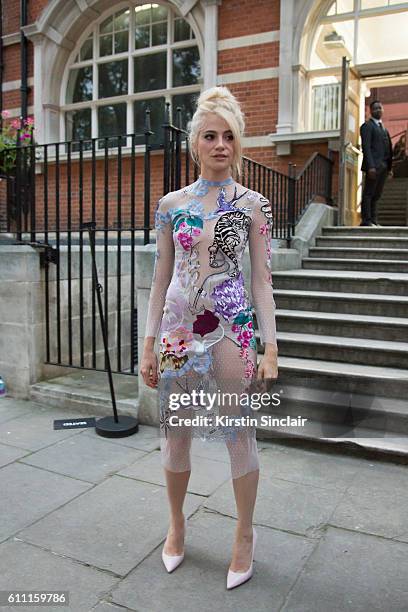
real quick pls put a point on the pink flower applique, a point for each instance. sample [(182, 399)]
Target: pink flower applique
[(185, 240)]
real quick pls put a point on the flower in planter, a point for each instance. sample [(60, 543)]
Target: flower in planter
[(16, 133)]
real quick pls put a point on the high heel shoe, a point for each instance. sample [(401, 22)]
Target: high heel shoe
[(236, 578), (173, 561)]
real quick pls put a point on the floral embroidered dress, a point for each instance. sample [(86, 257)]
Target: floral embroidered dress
[(201, 312)]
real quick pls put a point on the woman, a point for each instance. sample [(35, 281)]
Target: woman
[(201, 310)]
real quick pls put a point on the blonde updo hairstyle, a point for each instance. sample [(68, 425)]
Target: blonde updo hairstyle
[(221, 101)]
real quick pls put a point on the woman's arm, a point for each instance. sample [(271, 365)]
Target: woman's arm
[(163, 271), (260, 236)]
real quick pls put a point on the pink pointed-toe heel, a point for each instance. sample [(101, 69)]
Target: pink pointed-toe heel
[(173, 561), (236, 578)]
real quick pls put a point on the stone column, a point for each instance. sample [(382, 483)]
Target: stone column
[(210, 42), (285, 119)]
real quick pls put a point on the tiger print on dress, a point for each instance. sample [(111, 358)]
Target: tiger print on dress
[(227, 238)]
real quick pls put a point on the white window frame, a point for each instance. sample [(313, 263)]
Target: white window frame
[(128, 98)]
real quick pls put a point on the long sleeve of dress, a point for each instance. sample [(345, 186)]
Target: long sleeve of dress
[(260, 236), (163, 268)]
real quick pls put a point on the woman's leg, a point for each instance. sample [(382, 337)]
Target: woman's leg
[(177, 483), (245, 490), (242, 449)]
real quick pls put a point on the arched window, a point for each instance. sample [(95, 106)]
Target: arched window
[(135, 58), (368, 32)]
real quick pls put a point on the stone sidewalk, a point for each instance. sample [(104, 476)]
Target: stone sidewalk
[(88, 515)]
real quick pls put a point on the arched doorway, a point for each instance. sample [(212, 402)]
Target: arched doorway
[(371, 37)]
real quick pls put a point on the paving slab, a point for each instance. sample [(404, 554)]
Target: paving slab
[(291, 506), (35, 429), (28, 494), (108, 607), (88, 458), (8, 454), (25, 567), (146, 439), (199, 583), (376, 502), (312, 467), (352, 571), (10, 408), (206, 475), (114, 526)]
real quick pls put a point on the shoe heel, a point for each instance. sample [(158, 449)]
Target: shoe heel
[(173, 561), (234, 579)]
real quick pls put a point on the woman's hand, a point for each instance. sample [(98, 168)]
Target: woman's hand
[(268, 365), (148, 367)]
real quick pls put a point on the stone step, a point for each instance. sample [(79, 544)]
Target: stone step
[(355, 440), (368, 351), (340, 407), (349, 281), (357, 230), (387, 221), (342, 324), (342, 376), (332, 263), (358, 241), (87, 392), (394, 198), (357, 252), (342, 302)]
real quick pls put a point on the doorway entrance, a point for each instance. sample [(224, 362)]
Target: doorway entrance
[(357, 92)]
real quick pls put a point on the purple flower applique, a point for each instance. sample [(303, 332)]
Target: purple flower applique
[(229, 297)]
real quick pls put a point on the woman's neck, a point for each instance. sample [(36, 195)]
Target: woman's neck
[(214, 182)]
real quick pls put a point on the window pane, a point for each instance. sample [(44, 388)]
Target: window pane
[(157, 117), (150, 71), (188, 104), (367, 4), (112, 122), (79, 85), (331, 42), (113, 78), (142, 14), (159, 12), (87, 50), (383, 38), (159, 33), (122, 20), (78, 125), (107, 25), (186, 66), (181, 30), (325, 105), (142, 37), (121, 42), (345, 6), (105, 45)]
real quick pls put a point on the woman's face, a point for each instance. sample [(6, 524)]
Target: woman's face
[(215, 147)]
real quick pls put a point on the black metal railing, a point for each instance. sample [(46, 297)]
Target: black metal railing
[(313, 181), (58, 187)]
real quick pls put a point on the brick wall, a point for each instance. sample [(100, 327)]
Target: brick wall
[(242, 17)]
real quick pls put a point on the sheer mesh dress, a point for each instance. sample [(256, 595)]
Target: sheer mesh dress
[(201, 313)]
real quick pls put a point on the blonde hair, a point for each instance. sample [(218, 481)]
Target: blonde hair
[(222, 102)]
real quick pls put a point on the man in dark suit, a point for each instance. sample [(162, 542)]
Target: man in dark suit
[(377, 162)]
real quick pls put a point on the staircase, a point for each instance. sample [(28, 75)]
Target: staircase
[(342, 332), (392, 208)]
